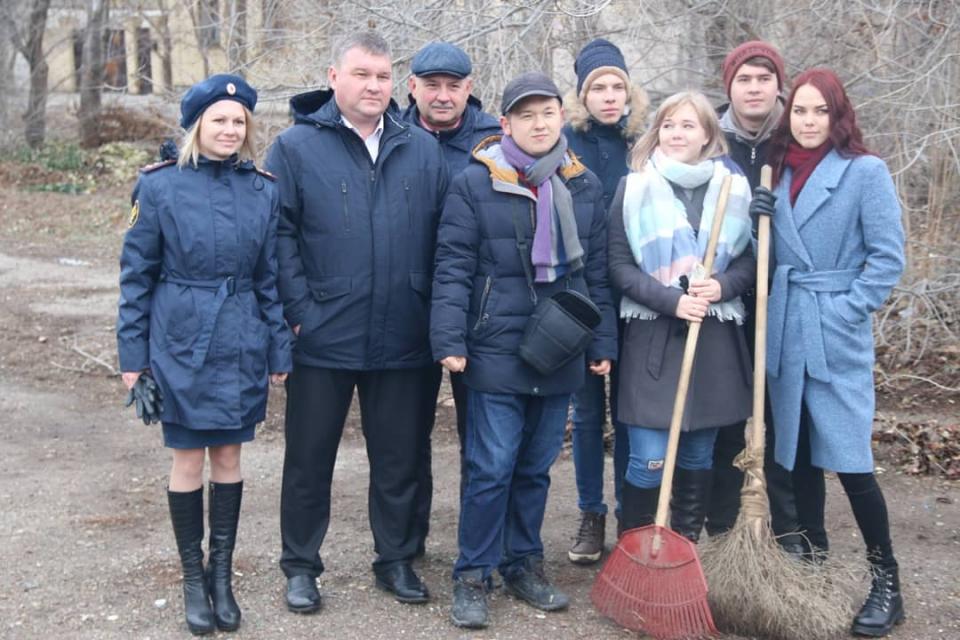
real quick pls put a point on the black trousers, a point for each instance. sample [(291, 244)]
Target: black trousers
[(425, 480), (866, 501), (728, 480), (391, 412)]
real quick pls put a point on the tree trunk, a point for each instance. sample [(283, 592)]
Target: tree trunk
[(6, 77), (91, 79), (35, 119), (167, 57), (237, 44)]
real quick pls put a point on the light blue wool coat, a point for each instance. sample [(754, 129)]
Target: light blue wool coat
[(836, 255)]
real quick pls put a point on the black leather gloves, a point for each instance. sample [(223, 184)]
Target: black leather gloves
[(763, 203), (148, 398)]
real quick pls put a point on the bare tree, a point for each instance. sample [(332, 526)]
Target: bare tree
[(236, 36), (28, 41), (91, 76)]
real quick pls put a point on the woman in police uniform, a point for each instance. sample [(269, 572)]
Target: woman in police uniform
[(199, 310)]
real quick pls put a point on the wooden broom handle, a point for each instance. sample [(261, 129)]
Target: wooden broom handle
[(758, 432), (686, 368)]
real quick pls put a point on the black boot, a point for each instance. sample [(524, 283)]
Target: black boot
[(639, 506), (884, 606), (186, 513), (224, 516), (688, 504)]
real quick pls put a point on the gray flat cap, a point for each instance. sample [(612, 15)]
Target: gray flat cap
[(441, 57)]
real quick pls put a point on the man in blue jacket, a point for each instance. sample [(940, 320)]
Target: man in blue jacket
[(605, 114), (442, 104), (360, 199), (488, 279)]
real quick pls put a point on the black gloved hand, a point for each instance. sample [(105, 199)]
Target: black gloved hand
[(763, 203), (148, 398)]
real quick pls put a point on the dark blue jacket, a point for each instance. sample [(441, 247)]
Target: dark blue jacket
[(605, 151), (481, 301), (458, 143), (604, 148), (198, 297), (356, 238), (749, 157)]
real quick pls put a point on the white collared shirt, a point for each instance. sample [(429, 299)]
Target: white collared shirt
[(372, 142)]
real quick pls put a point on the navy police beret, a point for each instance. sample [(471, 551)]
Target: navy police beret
[(222, 86), (441, 57)]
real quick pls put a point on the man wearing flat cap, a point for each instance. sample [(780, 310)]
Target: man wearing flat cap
[(441, 103), (523, 222), (360, 198)]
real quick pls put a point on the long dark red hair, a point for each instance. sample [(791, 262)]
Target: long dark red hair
[(844, 132)]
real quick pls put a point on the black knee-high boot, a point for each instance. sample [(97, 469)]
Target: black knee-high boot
[(639, 506), (186, 513), (883, 607), (224, 516), (688, 504)]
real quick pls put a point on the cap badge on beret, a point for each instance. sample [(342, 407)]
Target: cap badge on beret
[(231, 88)]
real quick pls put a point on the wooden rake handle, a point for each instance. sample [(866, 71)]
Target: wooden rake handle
[(686, 368)]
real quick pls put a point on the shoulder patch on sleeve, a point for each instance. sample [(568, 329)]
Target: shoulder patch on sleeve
[(266, 174), (134, 213), (157, 165)]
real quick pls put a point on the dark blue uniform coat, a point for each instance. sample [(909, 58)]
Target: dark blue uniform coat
[(356, 238), (481, 299), (458, 143), (198, 297)]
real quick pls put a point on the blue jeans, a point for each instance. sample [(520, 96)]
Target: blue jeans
[(589, 416), (648, 448), (511, 442)]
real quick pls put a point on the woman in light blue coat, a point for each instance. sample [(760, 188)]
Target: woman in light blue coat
[(838, 252)]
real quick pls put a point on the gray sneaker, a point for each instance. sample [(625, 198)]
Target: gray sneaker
[(531, 585), (588, 546), (469, 601)]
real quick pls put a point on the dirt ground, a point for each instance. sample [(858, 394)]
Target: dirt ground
[(87, 549)]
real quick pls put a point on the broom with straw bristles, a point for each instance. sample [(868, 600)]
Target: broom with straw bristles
[(756, 588)]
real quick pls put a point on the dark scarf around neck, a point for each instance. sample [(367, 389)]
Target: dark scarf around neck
[(802, 163)]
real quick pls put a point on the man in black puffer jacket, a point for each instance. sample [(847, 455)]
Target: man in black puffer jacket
[(488, 276)]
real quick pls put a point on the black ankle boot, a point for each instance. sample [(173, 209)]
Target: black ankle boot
[(639, 506), (884, 606), (186, 513), (224, 515), (688, 504)]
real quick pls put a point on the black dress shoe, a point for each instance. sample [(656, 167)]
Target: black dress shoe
[(403, 583), (302, 594)]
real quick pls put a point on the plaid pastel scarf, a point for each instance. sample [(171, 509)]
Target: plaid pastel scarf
[(660, 237)]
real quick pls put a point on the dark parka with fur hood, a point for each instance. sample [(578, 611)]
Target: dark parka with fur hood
[(605, 148)]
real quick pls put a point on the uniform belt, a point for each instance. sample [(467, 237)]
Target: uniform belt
[(231, 285), (787, 280)]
